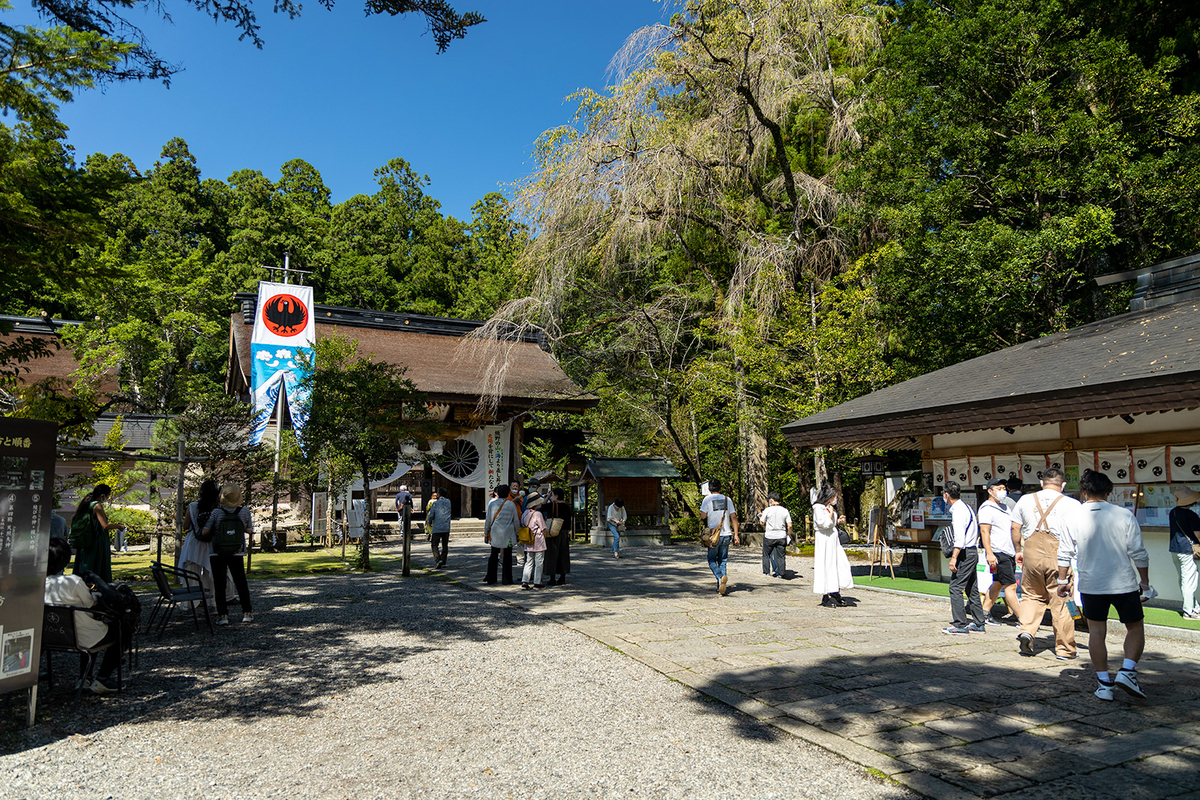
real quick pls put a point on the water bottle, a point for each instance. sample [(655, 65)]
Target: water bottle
[(1074, 609)]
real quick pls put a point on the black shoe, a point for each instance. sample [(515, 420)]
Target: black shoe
[(1025, 643), (524, 585), (827, 601), (839, 600)]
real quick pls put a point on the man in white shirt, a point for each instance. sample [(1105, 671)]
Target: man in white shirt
[(963, 560), (1107, 542), (717, 511), (995, 534), (1038, 520), (777, 529)]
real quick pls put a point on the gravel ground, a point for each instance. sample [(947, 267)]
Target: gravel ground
[(372, 686)]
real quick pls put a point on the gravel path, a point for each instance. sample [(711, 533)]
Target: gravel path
[(372, 686)]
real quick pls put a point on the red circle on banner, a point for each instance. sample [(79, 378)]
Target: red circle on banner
[(284, 315)]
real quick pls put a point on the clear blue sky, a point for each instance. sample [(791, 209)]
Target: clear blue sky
[(347, 92)]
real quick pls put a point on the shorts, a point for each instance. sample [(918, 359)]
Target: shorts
[(1006, 570), (1128, 606)]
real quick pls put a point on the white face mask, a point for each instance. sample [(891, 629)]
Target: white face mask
[(1001, 494)]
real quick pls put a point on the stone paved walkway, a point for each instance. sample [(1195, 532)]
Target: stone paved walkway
[(878, 683)]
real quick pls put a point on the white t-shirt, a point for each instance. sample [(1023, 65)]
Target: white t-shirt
[(716, 506), (966, 527), (1028, 515), (776, 520), (1105, 539), (1000, 534)]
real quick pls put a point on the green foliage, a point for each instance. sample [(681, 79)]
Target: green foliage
[(114, 473), (360, 410), (1016, 151), (538, 455)]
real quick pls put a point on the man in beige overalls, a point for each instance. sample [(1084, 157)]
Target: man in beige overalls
[(1039, 519)]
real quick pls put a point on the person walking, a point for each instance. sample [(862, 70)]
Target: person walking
[(535, 552), (195, 553), (1185, 535), (89, 534), (777, 531), (1038, 522), (1106, 542), (719, 512), (500, 531), (964, 585), (558, 545), (831, 568), (228, 559), (437, 519), (615, 517), (995, 534)]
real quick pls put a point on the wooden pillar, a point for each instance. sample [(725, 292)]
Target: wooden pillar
[(517, 462)]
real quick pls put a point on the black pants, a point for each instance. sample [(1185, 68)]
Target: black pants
[(108, 659), (553, 553), (236, 568), (965, 580), (774, 556), (493, 560), (443, 540)]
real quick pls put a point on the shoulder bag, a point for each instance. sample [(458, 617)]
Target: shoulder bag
[(711, 537), (555, 525), (524, 532)]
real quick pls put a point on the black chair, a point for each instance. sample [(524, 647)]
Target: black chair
[(58, 636), (189, 590)]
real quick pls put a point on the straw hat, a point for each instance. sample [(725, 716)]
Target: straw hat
[(231, 495), (1185, 496), (534, 500)]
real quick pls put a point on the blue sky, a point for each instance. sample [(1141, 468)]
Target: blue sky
[(347, 92)]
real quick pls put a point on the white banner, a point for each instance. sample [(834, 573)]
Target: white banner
[(284, 327), (479, 459)]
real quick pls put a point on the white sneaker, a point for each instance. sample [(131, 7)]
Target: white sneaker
[(247, 617), (1127, 680), (1104, 692), (223, 619)]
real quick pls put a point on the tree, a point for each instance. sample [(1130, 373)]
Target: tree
[(1014, 152), (362, 410), (106, 20), (688, 214)]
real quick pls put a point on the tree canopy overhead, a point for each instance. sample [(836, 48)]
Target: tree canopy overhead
[(111, 21)]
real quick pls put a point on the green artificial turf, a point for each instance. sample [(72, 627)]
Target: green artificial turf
[(1154, 616)]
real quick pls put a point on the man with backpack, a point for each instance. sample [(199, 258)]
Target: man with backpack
[(226, 529), (964, 556), (1039, 521)]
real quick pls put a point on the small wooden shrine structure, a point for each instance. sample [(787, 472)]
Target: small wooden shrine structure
[(637, 481)]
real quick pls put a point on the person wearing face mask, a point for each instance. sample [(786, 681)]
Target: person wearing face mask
[(995, 532), (831, 568)]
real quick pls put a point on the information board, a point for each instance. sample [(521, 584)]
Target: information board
[(26, 502)]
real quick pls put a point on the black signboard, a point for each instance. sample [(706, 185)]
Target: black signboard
[(26, 501)]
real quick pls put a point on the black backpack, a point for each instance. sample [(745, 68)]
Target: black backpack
[(230, 537), (946, 535)]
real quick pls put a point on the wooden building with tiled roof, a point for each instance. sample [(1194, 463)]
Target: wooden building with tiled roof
[(1121, 395)]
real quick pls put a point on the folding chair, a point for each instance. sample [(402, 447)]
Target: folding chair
[(169, 596), (58, 636)]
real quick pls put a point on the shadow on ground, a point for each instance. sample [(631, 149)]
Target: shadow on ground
[(312, 639)]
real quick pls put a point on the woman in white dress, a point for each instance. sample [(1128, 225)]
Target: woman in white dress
[(193, 556), (831, 568)]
